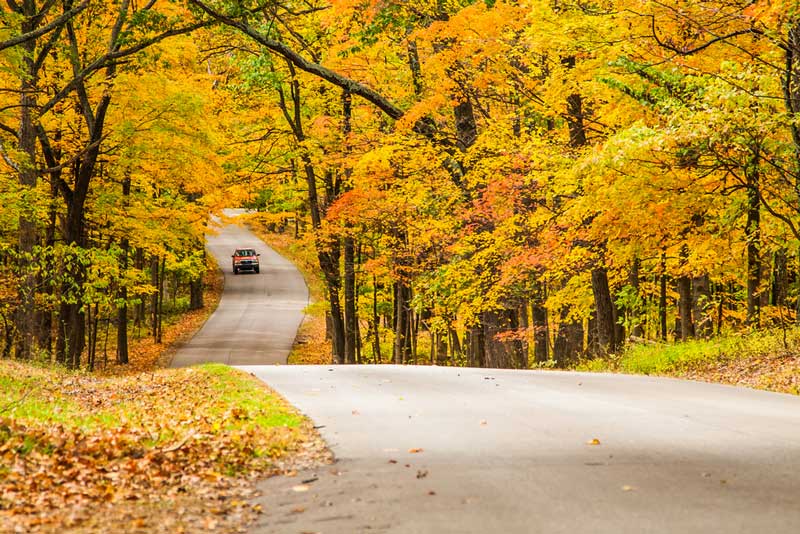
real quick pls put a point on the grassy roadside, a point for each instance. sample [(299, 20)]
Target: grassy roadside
[(763, 360), (140, 448), (311, 347)]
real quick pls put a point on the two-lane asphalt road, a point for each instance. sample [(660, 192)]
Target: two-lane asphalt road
[(257, 319), (515, 452), (446, 450)]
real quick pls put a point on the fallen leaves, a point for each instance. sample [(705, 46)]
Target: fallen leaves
[(415, 450), (778, 371), (138, 445)]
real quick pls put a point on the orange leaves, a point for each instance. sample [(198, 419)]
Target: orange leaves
[(145, 438)]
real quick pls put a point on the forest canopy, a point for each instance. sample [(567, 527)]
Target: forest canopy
[(493, 183)]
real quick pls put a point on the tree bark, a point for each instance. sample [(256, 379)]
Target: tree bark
[(701, 304), (122, 294), (633, 281), (502, 354), (569, 341), (401, 324), (662, 297), (780, 282), (604, 311), (350, 309), (541, 329), (753, 238), (351, 337), (26, 312), (685, 307)]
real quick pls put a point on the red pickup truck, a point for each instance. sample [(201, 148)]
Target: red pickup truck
[(245, 259)]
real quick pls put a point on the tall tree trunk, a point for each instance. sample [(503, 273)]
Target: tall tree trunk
[(350, 298), (791, 93), (633, 281), (140, 308), (780, 278), (662, 297), (753, 238), (541, 329), (401, 324), (327, 254), (26, 312), (604, 311), (684, 284), (196, 293), (476, 349), (502, 354), (122, 293), (701, 307), (376, 322), (350, 308), (569, 341), (155, 263)]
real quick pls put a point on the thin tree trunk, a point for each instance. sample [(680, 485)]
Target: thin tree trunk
[(28, 177), (701, 303), (684, 284), (753, 238), (376, 322), (633, 281), (541, 328), (122, 294), (350, 313), (662, 297)]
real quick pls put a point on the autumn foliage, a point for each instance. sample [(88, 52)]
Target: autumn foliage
[(526, 183), (496, 183)]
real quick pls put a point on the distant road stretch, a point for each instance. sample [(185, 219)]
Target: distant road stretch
[(258, 316)]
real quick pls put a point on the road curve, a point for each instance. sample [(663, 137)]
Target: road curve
[(258, 316), (515, 452)]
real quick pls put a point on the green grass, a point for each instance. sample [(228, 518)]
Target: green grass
[(663, 358), (241, 391), (33, 394)]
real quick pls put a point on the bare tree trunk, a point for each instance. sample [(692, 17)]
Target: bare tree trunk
[(569, 341), (122, 294), (350, 313), (662, 297), (376, 322), (28, 177), (685, 300), (541, 328), (604, 311), (701, 305), (753, 238), (633, 281)]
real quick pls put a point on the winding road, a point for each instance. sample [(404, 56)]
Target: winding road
[(447, 450), (258, 316)]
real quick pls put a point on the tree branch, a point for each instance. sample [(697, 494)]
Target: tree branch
[(303, 64), (104, 60), (58, 22)]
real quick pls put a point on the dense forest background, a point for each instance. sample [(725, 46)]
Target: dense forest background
[(492, 183)]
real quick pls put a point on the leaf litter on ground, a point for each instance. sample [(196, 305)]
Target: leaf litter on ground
[(138, 448)]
